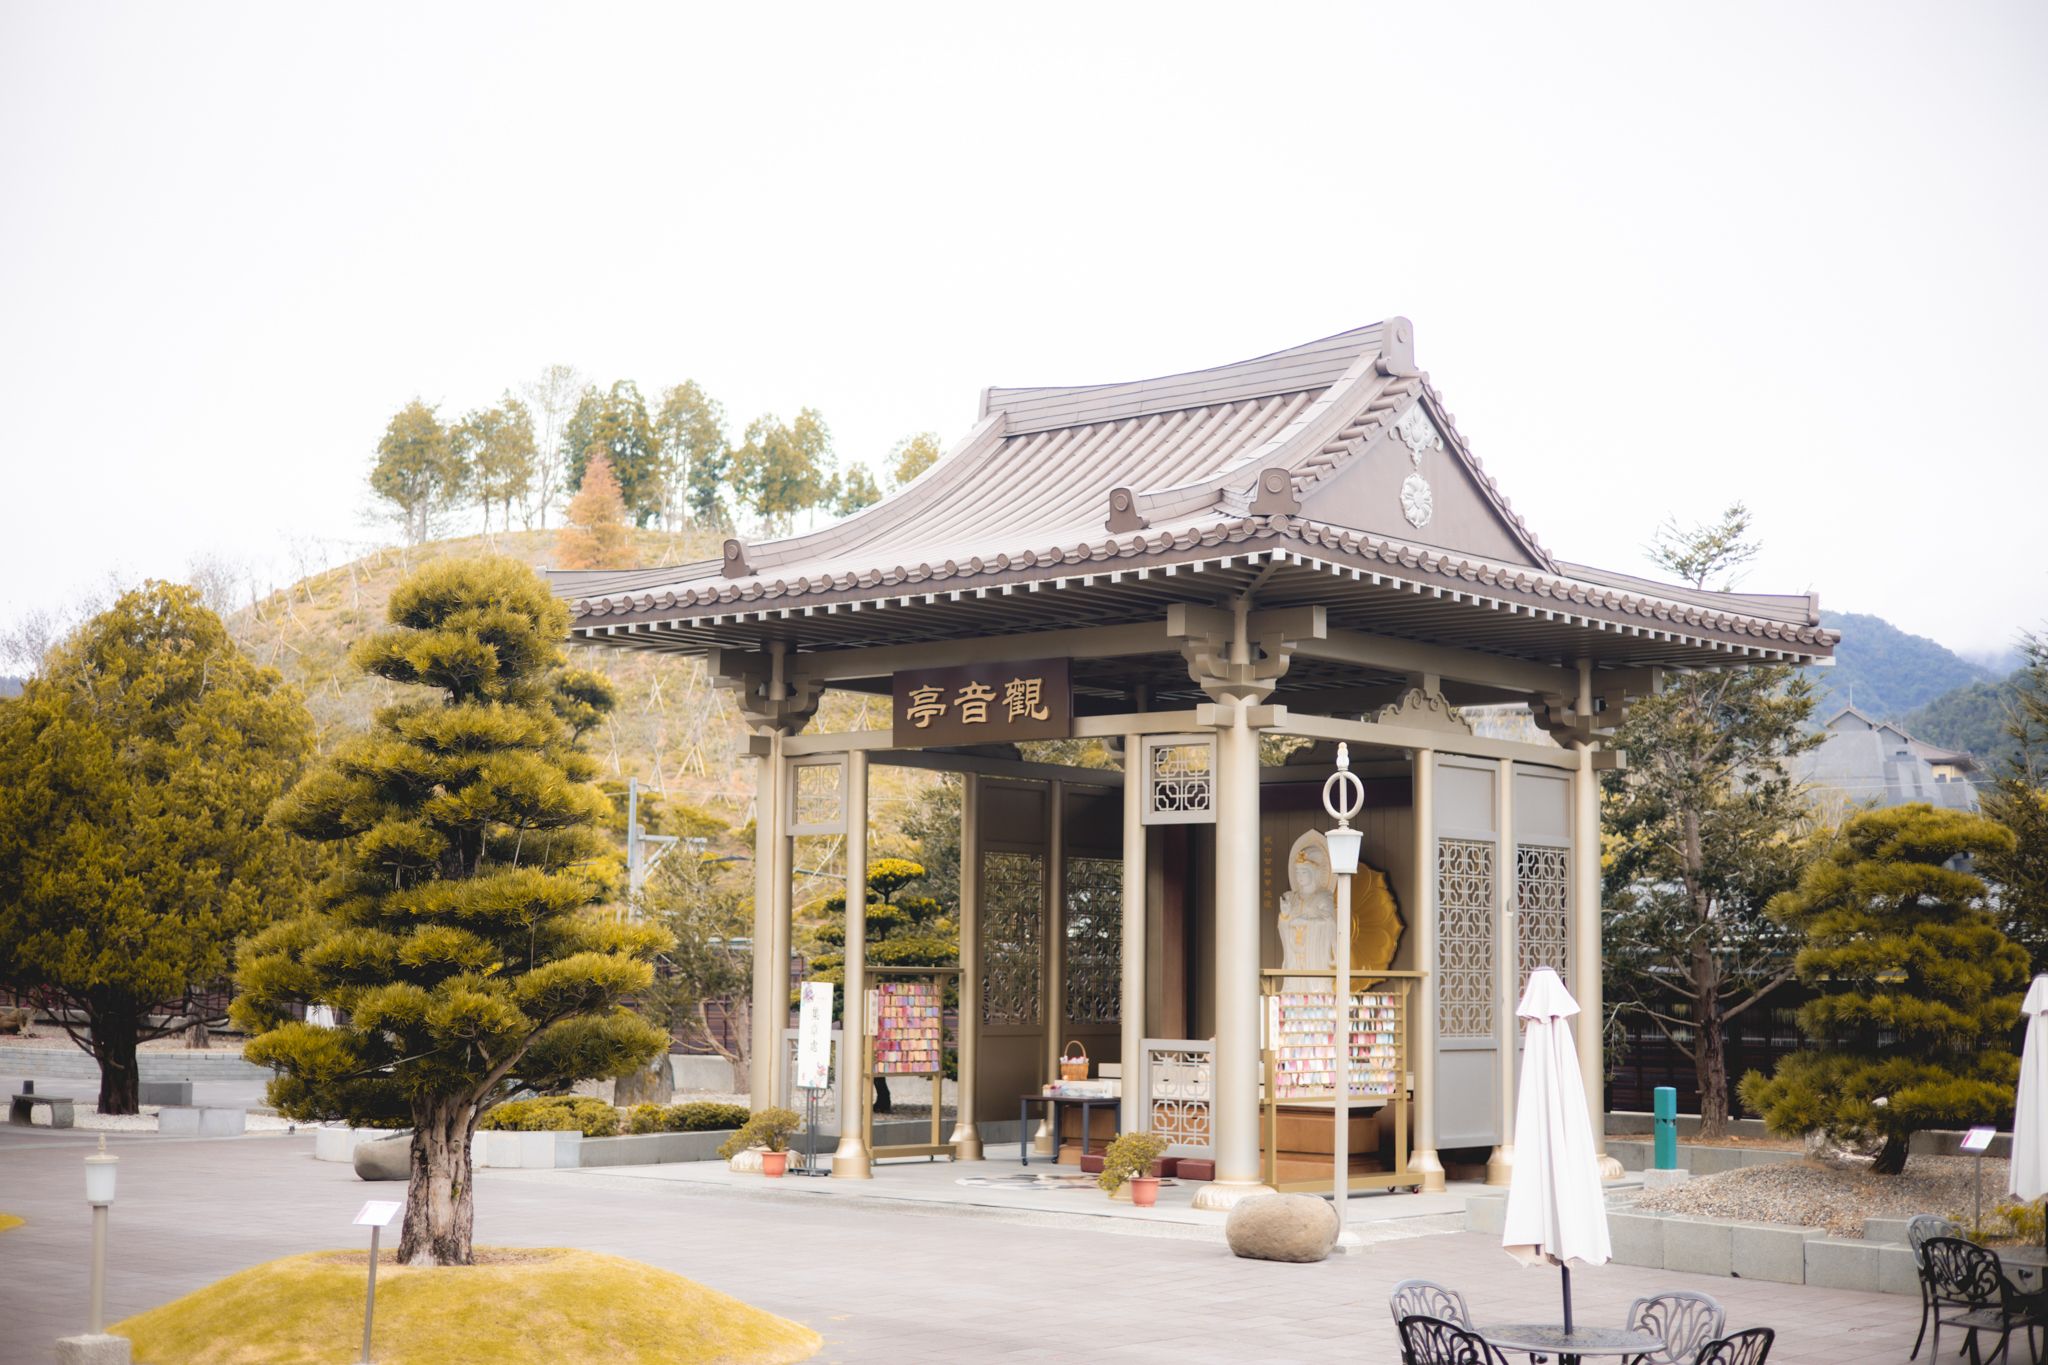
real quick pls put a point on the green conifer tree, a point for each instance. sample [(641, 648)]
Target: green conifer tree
[(135, 771), (456, 944), (1918, 989)]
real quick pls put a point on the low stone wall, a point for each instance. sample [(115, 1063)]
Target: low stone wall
[(157, 1064), (1635, 1155), (556, 1151), (1752, 1251)]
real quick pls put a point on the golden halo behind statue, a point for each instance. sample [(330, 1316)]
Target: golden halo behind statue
[(1376, 925)]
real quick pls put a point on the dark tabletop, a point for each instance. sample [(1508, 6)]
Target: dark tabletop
[(1551, 1339)]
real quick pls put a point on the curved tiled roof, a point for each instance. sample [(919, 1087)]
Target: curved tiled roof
[(1183, 467)]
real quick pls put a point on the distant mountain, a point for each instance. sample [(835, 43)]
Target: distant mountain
[(10, 687), (1887, 672)]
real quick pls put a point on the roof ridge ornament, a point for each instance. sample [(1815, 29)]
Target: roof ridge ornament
[(736, 565), (1274, 494), (1123, 512), (1397, 348)]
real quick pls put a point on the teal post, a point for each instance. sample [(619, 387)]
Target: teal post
[(1664, 1105)]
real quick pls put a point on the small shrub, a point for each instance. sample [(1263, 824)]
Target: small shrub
[(554, 1114), (769, 1128), (698, 1116), (1130, 1154)]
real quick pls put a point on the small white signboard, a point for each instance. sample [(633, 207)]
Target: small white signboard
[(1979, 1139), (378, 1213), (814, 1036)]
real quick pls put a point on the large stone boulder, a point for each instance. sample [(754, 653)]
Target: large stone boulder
[(385, 1159), (654, 1085), (1282, 1227)]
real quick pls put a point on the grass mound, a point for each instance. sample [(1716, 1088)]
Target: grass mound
[(541, 1306)]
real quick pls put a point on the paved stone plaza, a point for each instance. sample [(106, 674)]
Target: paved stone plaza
[(882, 1280)]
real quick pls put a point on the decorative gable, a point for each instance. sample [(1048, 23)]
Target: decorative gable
[(1411, 483)]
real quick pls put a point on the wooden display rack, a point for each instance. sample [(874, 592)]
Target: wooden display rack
[(1387, 1091), (937, 1147)]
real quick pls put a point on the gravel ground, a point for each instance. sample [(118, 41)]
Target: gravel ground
[(1836, 1195)]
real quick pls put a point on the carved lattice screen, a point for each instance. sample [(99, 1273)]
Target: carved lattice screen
[(1464, 945), (1542, 897), (1095, 940), (1012, 911)]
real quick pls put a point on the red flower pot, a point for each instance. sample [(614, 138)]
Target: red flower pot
[(1144, 1190), (774, 1163)]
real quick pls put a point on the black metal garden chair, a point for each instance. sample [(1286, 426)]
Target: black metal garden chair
[(1428, 1299), (1967, 1288), (1433, 1341), (1684, 1320), (1921, 1229), (1751, 1346)]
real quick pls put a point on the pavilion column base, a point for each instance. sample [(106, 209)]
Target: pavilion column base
[(850, 1160), (966, 1143), (1610, 1169), (1423, 1162), (1223, 1195), (1500, 1167)]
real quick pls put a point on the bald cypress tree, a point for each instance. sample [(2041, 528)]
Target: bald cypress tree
[(456, 944), (1918, 989)]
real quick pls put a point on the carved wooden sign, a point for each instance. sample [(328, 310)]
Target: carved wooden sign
[(983, 704)]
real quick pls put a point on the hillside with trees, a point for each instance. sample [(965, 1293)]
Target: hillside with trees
[(1886, 672)]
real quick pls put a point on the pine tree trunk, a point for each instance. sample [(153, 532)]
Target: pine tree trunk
[(1892, 1158), (1710, 1065), (440, 1206), (113, 1047)]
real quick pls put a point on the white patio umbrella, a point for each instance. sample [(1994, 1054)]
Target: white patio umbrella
[(1557, 1210), (2029, 1174)]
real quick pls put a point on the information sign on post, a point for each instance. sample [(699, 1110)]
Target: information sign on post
[(376, 1215), (814, 1037)]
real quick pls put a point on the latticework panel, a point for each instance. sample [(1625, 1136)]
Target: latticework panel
[(1464, 938), (1180, 781), (1542, 910), (1178, 1098), (1094, 940), (1012, 913)]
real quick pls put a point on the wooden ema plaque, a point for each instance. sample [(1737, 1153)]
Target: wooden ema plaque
[(983, 704)]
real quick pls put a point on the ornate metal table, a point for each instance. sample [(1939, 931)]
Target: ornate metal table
[(1550, 1339)]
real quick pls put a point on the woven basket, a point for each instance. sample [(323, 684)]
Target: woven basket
[(1072, 1067)]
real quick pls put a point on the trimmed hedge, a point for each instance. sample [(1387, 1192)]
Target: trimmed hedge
[(555, 1114), (698, 1116)]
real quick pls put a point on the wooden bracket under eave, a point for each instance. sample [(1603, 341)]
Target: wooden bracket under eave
[(736, 565), (1123, 512)]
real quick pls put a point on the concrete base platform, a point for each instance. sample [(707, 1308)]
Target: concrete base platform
[(1000, 1183), (92, 1350)]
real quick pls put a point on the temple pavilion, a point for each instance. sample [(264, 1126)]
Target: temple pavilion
[(1298, 547)]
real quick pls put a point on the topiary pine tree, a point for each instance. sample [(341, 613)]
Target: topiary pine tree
[(456, 944), (1918, 989)]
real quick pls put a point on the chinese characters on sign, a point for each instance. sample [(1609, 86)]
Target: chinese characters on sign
[(984, 704)]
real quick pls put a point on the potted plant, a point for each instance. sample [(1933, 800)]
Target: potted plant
[(769, 1129), (1131, 1157)]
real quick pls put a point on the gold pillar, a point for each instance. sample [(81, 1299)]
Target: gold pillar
[(966, 1137), (784, 865), (1586, 964), (765, 1041), (1133, 1006), (850, 1161), (1424, 1160), (1234, 1109), (1054, 1010), (1507, 969)]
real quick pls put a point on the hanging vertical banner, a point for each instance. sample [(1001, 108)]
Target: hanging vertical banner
[(983, 704), (814, 1037)]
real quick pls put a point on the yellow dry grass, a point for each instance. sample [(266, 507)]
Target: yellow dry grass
[(537, 1308)]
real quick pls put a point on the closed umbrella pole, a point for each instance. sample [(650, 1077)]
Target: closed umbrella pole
[(1557, 1207), (2028, 1171)]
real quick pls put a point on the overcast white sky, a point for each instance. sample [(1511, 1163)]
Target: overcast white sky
[(1791, 254)]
